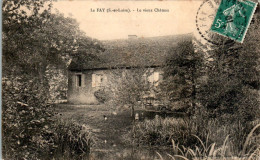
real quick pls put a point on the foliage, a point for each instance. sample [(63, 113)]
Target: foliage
[(58, 83), (190, 142), (225, 89), (101, 95), (231, 91), (213, 131), (181, 74), (71, 140), (26, 117), (29, 130), (160, 132), (33, 39), (47, 38), (127, 87), (212, 151)]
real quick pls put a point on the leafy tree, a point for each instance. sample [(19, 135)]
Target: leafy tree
[(181, 75), (128, 87), (231, 92), (234, 79), (33, 40)]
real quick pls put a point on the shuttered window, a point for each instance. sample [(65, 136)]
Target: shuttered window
[(98, 80), (154, 77)]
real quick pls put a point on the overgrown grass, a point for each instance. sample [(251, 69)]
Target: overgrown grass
[(192, 141), (211, 151), (160, 131), (71, 140)]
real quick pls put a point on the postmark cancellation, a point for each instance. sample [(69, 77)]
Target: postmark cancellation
[(233, 18)]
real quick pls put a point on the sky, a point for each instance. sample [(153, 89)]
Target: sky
[(106, 26)]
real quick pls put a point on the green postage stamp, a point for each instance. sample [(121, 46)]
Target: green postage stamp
[(233, 18)]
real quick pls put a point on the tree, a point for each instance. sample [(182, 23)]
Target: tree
[(127, 87), (181, 75), (33, 39), (231, 93), (234, 79)]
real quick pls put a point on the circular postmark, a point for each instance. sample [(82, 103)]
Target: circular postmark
[(204, 19)]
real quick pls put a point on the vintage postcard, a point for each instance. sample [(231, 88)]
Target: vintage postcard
[(130, 80)]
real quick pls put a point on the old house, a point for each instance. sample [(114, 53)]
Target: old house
[(127, 54)]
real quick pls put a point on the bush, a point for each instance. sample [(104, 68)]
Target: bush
[(26, 118), (101, 95), (30, 130), (58, 82), (71, 140)]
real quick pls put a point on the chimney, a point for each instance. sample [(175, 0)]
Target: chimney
[(132, 36)]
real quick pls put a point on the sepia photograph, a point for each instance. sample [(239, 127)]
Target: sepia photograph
[(130, 80)]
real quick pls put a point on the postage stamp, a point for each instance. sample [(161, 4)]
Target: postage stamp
[(233, 18), (204, 18)]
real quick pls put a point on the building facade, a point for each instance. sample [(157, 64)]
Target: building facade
[(119, 56)]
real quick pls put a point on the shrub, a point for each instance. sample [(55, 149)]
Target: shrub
[(101, 95), (71, 140), (29, 129), (58, 82), (26, 117)]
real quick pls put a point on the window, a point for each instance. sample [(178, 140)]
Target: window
[(98, 80), (79, 80), (154, 78)]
